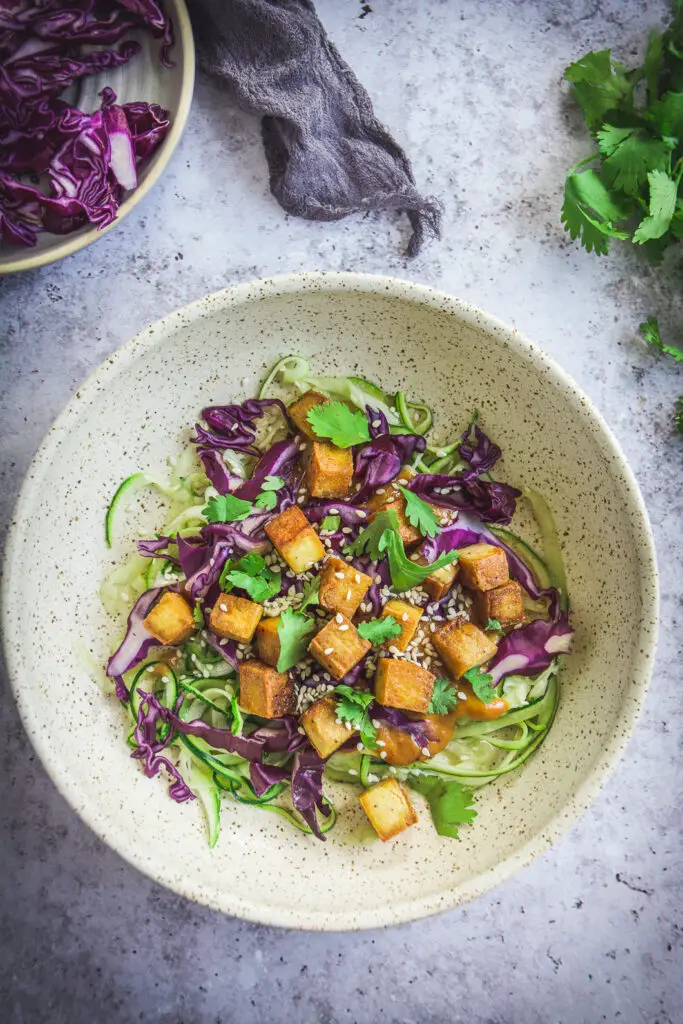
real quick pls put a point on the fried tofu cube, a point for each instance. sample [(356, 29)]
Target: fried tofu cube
[(298, 412), (170, 620), (295, 539), (342, 588), (268, 640), (440, 582), (389, 497), (329, 470), (264, 691), (338, 646), (483, 566), (505, 603), (407, 616), (403, 684), (461, 647), (319, 721), (388, 808), (235, 618)]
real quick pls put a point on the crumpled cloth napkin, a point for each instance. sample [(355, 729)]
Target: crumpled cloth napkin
[(327, 153)]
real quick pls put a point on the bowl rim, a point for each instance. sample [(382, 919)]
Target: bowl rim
[(29, 260), (543, 838)]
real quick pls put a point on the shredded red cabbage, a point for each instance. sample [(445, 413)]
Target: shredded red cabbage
[(531, 649), (419, 731), (263, 776), (279, 460), (492, 501), (480, 452), (149, 746), (307, 788), (380, 460), (137, 642)]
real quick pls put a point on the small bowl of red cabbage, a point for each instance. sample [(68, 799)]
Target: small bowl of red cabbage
[(94, 96)]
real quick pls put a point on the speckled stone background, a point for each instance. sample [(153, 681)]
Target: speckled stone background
[(593, 931)]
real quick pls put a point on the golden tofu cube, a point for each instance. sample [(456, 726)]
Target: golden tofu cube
[(483, 566), (319, 721), (268, 640), (298, 412), (329, 470), (440, 582), (170, 620), (338, 646), (235, 618), (342, 588), (403, 684), (505, 603), (388, 808), (461, 647), (264, 691), (389, 497), (407, 616), (295, 539)]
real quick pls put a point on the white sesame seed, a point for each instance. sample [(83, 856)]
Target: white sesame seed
[(334, 511), (223, 607), (343, 627), (361, 514), (376, 424), (348, 726), (380, 490), (425, 751), (347, 530), (124, 595), (376, 723), (382, 753), (404, 617), (329, 650), (348, 594), (381, 743), (352, 771), (339, 618), (359, 746), (339, 575), (150, 668)]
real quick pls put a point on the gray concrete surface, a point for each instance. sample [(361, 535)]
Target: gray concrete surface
[(593, 931)]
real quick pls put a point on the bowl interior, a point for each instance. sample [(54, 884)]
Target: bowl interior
[(139, 409), (143, 77)]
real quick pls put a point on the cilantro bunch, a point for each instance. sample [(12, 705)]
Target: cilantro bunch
[(633, 188)]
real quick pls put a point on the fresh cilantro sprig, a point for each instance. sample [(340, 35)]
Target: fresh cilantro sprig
[(382, 537), (252, 574), (633, 188), (353, 707), (378, 631), (451, 803), (293, 630), (310, 593), (342, 425), (368, 541), (493, 625), (419, 514), (267, 499), (444, 697), (226, 508), (482, 684)]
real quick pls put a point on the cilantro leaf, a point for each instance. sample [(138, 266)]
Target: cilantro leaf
[(589, 212), (451, 803), (267, 499), (599, 85), (482, 684), (663, 197), (354, 708), (226, 508), (259, 588), (493, 624), (293, 630), (420, 515), (342, 425), (330, 524), (252, 563), (444, 697), (406, 574), (378, 631), (310, 593), (678, 414), (369, 539), (650, 331), (630, 153), (666, 116)]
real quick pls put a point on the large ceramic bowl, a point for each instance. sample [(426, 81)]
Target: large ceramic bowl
[(136, 410), (142, 78)]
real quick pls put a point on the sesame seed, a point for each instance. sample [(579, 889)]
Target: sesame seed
[(334, 511), (376, 723), (339, 575), (348, 726), (462, 695), (329, 650), (425, 751), (124, 595), (376, 424), (348, 594), (347, 530), (339, 618), (382, 753), (381, 743), (352, 771), (301, 730), (150, 668), (380, 490), (361, 514), (404, 617), (359, 746), (223, 607), (343, 627)]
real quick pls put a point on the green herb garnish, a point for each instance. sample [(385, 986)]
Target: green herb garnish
[(226, 508), (482, 684), (343, 426), (353, 708), (378, 631), (293, 630), (267, 499), (419, 514), (444, 697)]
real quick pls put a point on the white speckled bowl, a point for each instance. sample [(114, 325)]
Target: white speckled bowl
[(136, 410), (141, 78)]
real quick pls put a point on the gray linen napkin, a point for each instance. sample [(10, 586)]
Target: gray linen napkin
[(327, 153)]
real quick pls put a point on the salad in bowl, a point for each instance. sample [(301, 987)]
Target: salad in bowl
[(335, 596)]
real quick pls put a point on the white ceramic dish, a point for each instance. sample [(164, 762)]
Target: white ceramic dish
[(137, 409), (142, 78)]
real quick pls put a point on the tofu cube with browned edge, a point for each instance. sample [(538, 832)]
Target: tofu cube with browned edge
[(342, 588), (403, 684), (264, 691), (462, 647), (483, 566), (235, 618), (295, 539), (407, 616), (170, 620), (440, 582), (329, 470), (326, 733), (504, 603), (268, 640), (298, 412), (338, 647), (388, 808)]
